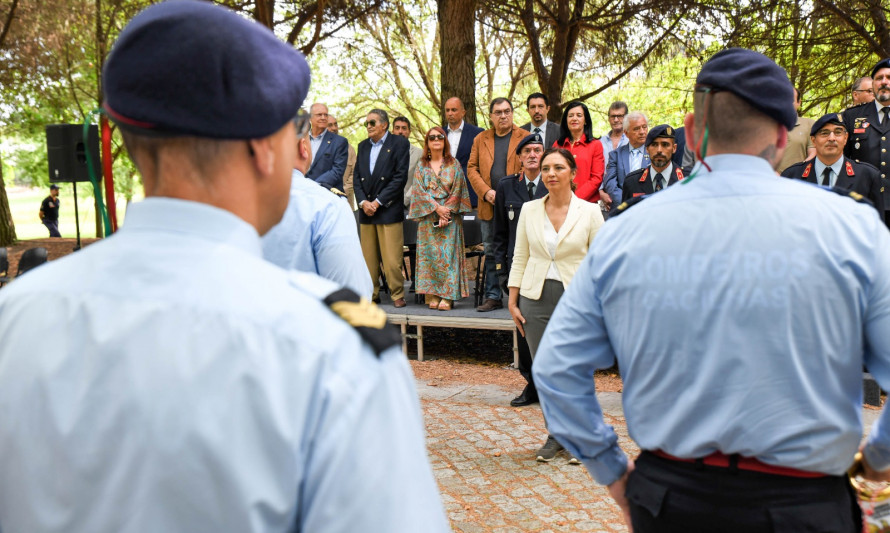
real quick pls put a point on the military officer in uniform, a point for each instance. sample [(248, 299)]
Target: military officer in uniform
[(831, 169), (661, 144), (513, 191), (868, 126), (740, 309), (191, 385)]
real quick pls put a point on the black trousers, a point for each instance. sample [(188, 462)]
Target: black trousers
[(673, 496)]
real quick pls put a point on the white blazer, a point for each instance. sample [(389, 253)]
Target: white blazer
[(531, 260)]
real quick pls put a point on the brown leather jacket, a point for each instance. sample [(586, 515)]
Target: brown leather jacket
[(481, 160)]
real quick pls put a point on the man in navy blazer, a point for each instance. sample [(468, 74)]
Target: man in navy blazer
[(460, 137), (329, 151), (381, 170), (632, 156)]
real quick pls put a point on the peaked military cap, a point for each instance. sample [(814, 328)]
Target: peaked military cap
[(831, 118), (189, 67), (534, 138), (754, 78), (662, 130), (884, 63)]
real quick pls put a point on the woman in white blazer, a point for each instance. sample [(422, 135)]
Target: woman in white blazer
[(553, 236)]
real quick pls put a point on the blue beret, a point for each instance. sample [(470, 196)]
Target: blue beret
[(192, 68), (754, 78), (831, 118), (663, 130), (884, 63), (533, 138)]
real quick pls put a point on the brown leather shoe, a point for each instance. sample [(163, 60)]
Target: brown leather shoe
[(399, 303), (490, 305)]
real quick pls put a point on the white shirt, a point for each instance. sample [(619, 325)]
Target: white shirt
[(880, 113), (183, 383), (551, 239), (454, 138), (543, 127), (666, 174)]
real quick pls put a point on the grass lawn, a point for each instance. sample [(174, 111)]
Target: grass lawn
[(25, 204)]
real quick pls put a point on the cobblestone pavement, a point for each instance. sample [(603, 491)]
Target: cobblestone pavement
[(483, 456)]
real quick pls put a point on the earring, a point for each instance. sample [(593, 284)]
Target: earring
[(429, 154)]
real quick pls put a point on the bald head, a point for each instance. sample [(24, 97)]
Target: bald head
[(454, 112)]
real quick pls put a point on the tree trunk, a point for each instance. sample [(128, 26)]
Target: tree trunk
[(457, 22), (264, 12), (7, 227)]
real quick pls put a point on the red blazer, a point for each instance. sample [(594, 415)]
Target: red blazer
[(591, 166)]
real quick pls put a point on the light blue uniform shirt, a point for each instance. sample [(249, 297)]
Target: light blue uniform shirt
[(740, 308), (318, 234), (375, 151), (835, 171), (170, 379)]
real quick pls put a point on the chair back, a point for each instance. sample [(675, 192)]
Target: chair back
[(31, 258), (409, 232), (4, 262), (472, 232)]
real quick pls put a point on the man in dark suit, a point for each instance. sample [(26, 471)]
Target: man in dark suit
[(460, 138), (868, 126), (538, 107), (627, 158), (831, 168), (381, 170), (513, 191), (329, 151), (661, 144)]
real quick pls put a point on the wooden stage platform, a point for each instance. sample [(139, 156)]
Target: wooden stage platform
[(464, 315)]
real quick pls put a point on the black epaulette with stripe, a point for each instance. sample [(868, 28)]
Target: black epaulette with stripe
[(627, 204), (367, 319), (850, 194)]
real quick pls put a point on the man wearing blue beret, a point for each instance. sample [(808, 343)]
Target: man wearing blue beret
[(740, 309), (661, 144), (190, 385), (831, 169), (868, 126)]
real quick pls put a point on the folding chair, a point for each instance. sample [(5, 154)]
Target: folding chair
[(4, 266), (31, 258), (472, 238)]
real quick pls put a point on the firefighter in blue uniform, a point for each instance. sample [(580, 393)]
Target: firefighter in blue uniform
[(661, 144)]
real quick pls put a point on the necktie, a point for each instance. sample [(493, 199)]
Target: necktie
[(531, 190), (659, 182), (538, 130), (826, 176), (886, 111)]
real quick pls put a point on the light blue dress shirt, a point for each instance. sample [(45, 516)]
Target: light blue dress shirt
[(606, 141), (315, 143), (375, 151), (740, 308), (638, 158), (318, 234), (170, 379), (835, 171)]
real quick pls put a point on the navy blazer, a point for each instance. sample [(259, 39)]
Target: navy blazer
[(617, 169), (329, 162), (386, 183), (467, 136), (868, 141)]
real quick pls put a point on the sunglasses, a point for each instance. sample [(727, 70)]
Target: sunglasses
[(371, 123), (436, 137)]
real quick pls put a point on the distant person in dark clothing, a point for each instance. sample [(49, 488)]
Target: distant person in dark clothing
[(49, 211)]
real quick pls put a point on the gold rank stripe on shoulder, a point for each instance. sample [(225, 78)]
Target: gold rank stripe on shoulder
[(337, 191), (368, 320)]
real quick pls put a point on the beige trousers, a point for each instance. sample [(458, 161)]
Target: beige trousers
[(384, 242)]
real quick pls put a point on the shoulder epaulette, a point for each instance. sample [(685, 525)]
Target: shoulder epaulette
[(627, 204), (849, 194), (337, 191), (367, 319)]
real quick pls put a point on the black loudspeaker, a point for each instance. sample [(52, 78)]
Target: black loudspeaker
[(66, 152)]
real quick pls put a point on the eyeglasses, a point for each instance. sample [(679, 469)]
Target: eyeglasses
[(869, 91), (614, 117), (826, 133), (502, 113), (371, 123), (436, 137), (301, 122)]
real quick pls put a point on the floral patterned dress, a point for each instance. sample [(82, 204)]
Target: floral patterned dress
[(440, 251)]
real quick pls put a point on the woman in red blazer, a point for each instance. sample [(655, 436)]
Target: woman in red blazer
[(576, 137)]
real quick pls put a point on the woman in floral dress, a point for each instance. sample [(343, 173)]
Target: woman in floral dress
[(439, 198)]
